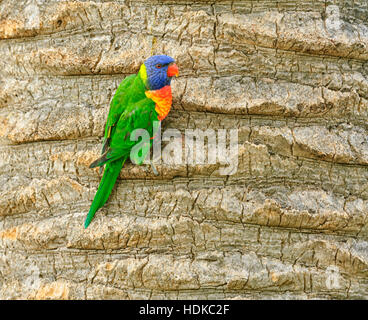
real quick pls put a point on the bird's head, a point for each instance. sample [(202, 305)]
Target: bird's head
[(157, 71)]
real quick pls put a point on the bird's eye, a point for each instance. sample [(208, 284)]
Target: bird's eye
[(159, 65)]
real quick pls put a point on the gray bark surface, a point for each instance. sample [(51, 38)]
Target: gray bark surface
[(292, 76)]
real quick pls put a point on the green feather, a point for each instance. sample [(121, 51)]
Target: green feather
[(109, 177)]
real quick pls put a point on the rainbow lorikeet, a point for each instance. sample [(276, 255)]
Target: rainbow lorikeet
[(140, 100)]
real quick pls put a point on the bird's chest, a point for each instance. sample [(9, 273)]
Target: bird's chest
[(163, 100)]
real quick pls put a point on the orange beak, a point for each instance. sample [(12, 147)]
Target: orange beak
[(172, 70)]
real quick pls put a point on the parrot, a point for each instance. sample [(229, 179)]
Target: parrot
[(139, 100)]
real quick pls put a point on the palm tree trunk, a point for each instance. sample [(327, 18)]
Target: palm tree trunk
[(291, 222)]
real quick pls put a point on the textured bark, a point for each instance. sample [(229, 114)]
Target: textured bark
[(292, 76)]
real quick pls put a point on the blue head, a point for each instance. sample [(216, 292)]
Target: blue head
[(157, 71)]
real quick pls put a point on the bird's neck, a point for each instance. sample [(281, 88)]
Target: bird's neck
[(163, 99)]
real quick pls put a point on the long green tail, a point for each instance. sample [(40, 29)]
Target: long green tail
[(112, 170)]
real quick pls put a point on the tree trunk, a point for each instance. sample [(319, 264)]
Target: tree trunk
[(291, 222)]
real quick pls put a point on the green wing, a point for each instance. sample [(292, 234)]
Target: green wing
[(117, 107), (117, 104), (137, 115)]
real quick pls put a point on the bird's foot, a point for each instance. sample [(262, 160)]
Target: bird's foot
[(154, 169)]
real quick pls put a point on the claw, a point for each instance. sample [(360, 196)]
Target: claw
[(154, 168)]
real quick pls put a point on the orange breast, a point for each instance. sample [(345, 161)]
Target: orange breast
[(163, 100)]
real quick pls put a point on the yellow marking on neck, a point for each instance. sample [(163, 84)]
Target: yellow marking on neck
[(143, 73)]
